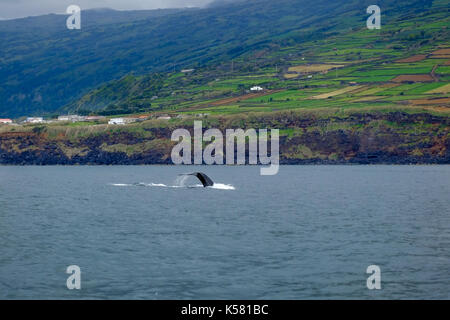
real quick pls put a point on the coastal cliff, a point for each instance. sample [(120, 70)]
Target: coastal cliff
[(305, 138)]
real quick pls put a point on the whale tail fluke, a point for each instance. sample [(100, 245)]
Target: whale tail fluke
[(204, 179)]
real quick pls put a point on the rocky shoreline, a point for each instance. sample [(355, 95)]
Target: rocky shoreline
[(395, 138)]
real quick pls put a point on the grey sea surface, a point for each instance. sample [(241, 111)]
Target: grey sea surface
[(140, 232)]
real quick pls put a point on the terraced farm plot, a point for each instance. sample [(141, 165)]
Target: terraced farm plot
[(415, 58), (276, 96), (441, 52), (413, 78), (439, 101), (447, 56), (442, 89), (369, 98), (367, 53), (393, 71), (337, 92), (423, 88), (291, 75), (228, 101), (424, 65), (373, 79), (231, 100), (443, 70), (374, 90), (314, 68), (385, 74), (411, 89)]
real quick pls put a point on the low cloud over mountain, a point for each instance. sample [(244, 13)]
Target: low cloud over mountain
[(10, 9)]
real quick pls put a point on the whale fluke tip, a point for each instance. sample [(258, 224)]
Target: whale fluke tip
[(204, 179)]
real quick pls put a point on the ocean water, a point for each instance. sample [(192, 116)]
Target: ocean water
[(141, 232)]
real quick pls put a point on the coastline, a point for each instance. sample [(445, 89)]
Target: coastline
[(305, 138)]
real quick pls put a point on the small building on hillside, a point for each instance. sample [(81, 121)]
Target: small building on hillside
[(187, 70), (143, 117), (6, 121), (256, 89), (95, 118), (72, 118), (122, 121), (64, 118), (164, 117), (34, 120)]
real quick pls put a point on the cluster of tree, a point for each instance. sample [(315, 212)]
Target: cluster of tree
[(126, 108), (130, 93)]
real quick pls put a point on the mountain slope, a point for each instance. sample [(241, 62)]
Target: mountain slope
[(373, 58), (41, 71), (338, 93)]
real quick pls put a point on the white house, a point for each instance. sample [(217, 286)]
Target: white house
[(64, 118), (73, 118), (34, 120), (256, 89), (164, 117), (122, 121), (5, 121), (94, 118)]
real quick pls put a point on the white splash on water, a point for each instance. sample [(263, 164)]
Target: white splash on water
[(179, 183), (157, 185), (181, 180), (144, 184), (222, 186)]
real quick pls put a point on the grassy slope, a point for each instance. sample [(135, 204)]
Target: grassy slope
[(376, 121), (329, 135), (368, 57), (45, 68)]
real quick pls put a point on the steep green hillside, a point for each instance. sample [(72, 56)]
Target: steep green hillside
[(331, 136), (46, 68), (341, 94), (401, 64)]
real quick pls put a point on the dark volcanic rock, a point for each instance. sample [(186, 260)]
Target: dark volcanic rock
[(375, 138)]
